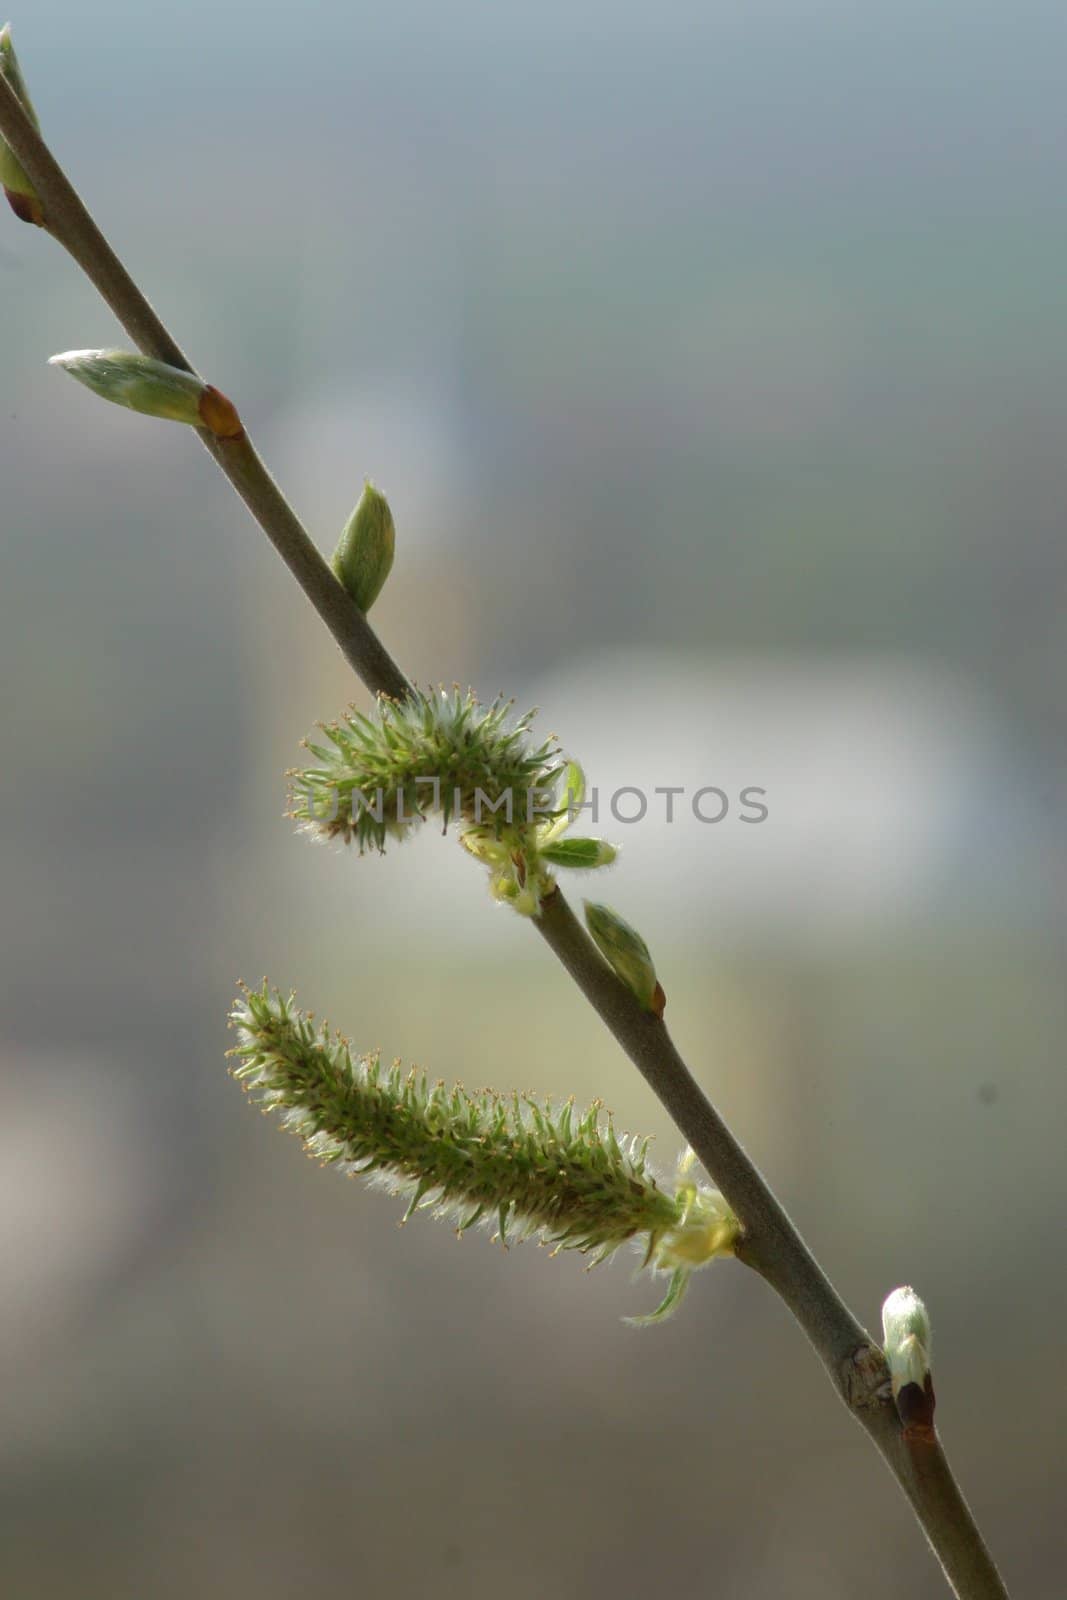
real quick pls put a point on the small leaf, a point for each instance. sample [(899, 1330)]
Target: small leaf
[(569, 800), (581, 854), (676, 1291)]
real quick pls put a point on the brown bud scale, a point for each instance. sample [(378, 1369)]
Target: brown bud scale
[(915, 1408), (219, 415), (26, 207)]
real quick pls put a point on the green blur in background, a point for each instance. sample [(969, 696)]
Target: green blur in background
[(713, 358)]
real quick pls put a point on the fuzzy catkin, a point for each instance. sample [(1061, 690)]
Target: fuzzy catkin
[(509, 1160), (378, 776), (526, 1165)]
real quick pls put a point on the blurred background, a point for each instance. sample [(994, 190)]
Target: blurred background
[(714, 359)]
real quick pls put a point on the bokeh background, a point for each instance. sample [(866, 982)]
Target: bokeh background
[(714, 359)]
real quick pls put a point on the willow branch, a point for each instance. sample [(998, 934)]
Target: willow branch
[(68, 221), (771, 1244)]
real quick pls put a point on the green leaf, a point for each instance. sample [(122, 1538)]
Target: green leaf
[(568, 800), (676, 1291), (581, 854)]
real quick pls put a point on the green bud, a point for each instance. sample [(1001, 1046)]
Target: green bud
[(627, 954), (22, 196), (364, 555), (153, 388), (580, 854), (908, 1346)]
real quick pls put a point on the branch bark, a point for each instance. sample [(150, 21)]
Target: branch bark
[(771, 1244)]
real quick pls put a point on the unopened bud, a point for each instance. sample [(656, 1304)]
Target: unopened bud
[(627, 954), (364, 555), (153, 388), (21, 195), (908, 1345)]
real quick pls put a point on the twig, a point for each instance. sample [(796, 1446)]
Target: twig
[(71, 225), (770, 1244)]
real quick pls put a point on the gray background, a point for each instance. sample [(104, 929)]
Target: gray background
[(714, 360)]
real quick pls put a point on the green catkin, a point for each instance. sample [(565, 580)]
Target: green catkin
[(473, 764), (372, 782), (527, 1167)]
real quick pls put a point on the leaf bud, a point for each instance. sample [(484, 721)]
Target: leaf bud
[(364, 555), (154, 388), (908, 1346), (21, 195), (627, 954)]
